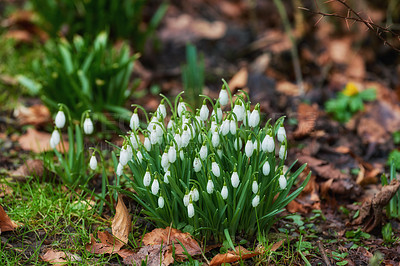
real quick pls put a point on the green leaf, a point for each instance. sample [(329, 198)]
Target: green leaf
[(32, 86)]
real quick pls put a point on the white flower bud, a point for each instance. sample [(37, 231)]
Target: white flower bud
[(249, 149), (254, 187), (256, 145), (203, 152), (223, 97), (177, 139), (239, 110), (139, 156), (60, 119), (255, 201), (134, 122), (181, 108), (161, 110), (268, 144), (281, 135), (167, 175), (210, 186), (238, 144), (254, 118), (88, 126), (172, 154), (246, 120), (235, 179), (153, 136), (186, 199), (215, 169), (171, 124), (185, 137), (124, 156), (219, 114), (155, 187), (93, 162), (232, 127), (54, 139), (282, 182), (190, 210), (147, 144), (204, 112), (120, 168), (215, 139), (160, 202), (181, 155), (282, 152), (194, 193), (196, 164), (266, 168), (164, 160), (225, 127), (219, 152), (224, 192), (147, 179), (214, 126), (134, 141)]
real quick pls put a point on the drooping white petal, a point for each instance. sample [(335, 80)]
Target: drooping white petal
[(268, 144), (224, 192), (232, 127), (223, 97), (266, 168), (88, 126), (210, 186), (155, 187), (282, 152), (190, 210), (238, 144), (167, 176), (254, 118), (282, 182), (160, 202), (195, 194), (134, 122), (255, 201), (196, 164), (172, 154), (249, 149), (93, 162), (124, 156), (147, 179), (139, 156), (203, 152), (164, 160), (55, 138), (204, 112), (281, 135), (215, 139), (225, 127), (254, 187), (120, 169), (235, 179), (60, 119), (181, 108), (147, 144), (215, 169), (186, 200)]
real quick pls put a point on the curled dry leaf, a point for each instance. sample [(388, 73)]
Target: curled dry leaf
[(36, 141), (36, 115), (59, 257), (306, 115), (240, 253), (108, 244), (151, 254), (121, 224), (6, 224), (30, 168)]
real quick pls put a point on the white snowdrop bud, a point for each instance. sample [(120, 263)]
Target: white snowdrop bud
[(181, 108), (232, 127), (210, 186), (186, 199), (204, 112), (223, 97), (282, 182), (139, 156), (266, 168), (167, 175), (124, 156), (246, 119), (281, 135), (219, 152), (172, 154), (181, 155), (235, 179), (215, 169), (54, 139), (282, 152), (194, 193), (177, 138), (164, 160), (238, 144), (93, 162), (147, 179), (239, 110), (119, 169), (147, 143), (134, 122), (196, 164), (255, 201), (153, 136), (60, 119), (268, 144), (224, 192), (134, 140), (185, 139), (190, 210), (88, 126), (161, 110), (225, 127), (160, 202), (130, 152), (254, 118), (203, 152), (155, 187), (256, 145), (171, 123), (254, 187), (213, 126), (215, 139), (249, 148), (219, 113)]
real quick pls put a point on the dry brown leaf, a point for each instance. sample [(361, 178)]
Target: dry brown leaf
[(30, 168), (239, 80), (59, 257), (121, 224), (240, 253), (5, 190), (108, 244), (36, 115), (277, 245), (124, 253), (37, 142), (321, 168), (151, 254), (288, 88), (6, 224), (306, 115), (170, 235)]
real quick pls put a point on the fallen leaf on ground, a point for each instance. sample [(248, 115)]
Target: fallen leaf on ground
[(306, 115), (239, 80), (321, 168), (29, 168), (36, 115), (371, 210), (240, 253), (151, 254), (59, 257), (108, 244), (288, 88), (6, 224), (37, 142), (347, 188), (121, 224)]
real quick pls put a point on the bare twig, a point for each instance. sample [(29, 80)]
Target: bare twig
[(323, 253)]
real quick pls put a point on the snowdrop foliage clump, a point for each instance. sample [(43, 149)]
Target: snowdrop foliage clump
[(216, 168)]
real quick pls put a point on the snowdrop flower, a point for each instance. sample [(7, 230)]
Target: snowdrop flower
[(124, 156), (225, 127), (210, 186), (181, 154), (190, 210), (223, 97), (147, 143), (185, 138), (232, 126), (215, 139), (281, 135), (147, 178), (172, 153), (160, 202), (256, 145), (203, 152), (134, 122), (171, 123), (194, 193), (266, 168), (93, 162), (219, 112), (186, 199), (255, 116), (177, 138), (134, 141), (235, 178), (139, 156), (204, 112), (161, 109), (238, 144), (88, 126), (214, 125), (282, 152), (224, 192), (164, 159), (282, 181), (239, 110), (55, 138), (249, 148), (60, 119), (181, 108), (167, 175), (155, 187), (268, 144), (196, 165), (153, 136), (255, 201), (254, 187), (119, 169), (219, 152), (215, 169)]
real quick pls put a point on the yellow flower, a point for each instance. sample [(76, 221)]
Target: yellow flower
[(350, 89)]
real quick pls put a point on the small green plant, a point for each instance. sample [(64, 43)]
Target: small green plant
[(84, 76), (387, 234), (393, 208), (211, 173), (349, 102), (394, 158)]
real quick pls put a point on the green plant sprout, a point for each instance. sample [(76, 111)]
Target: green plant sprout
[(393, 208), (394, 158), (211, 171), (349, 101)]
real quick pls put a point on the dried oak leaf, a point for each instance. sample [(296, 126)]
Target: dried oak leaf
[(59, 257), (6, 224), (30, 168), (121, 224), (170, 235), (321, 168), (36, 115), (151, 254), (240, 253), (36, 141), (371, 210), (306, 115), (108, 244)]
